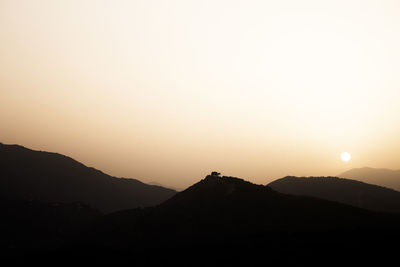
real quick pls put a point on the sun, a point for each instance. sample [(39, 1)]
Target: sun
[(345, 156)]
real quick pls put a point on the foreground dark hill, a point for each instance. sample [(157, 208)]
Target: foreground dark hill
[(33, 226), (342, 190), (383, 177), (229, 217), (50, 177)]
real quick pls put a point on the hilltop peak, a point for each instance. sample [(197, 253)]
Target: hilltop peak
[(216, 176), (224, 181), (214, 189)]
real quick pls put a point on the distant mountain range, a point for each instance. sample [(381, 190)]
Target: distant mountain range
[(383, 177), (50, 177), (158, 184), (53, 207), (342, 190)]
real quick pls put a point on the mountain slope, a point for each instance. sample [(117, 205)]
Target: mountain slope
[(346, 191), (51, 177), (383, 177)]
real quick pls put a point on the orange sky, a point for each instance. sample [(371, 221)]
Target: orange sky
[(168, 91)]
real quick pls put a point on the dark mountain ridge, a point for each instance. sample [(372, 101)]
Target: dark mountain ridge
[(351, 192), (52, 177)]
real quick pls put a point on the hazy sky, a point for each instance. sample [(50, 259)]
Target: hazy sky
[(168, 91)]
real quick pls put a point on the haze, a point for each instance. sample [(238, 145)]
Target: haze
[(168, 91)]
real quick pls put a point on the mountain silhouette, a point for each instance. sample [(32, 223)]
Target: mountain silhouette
[(51, 177), (217, 221), (229, 216), (383, 177), (342, 190)]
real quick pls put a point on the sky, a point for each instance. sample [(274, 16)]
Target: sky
[(168, 91)]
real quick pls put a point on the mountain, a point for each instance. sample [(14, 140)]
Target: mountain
[(51, 177), (235, 220), (383, 177), (342, 190)]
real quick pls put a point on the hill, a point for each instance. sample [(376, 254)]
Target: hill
[(233, 220), (342, 190), (51, 177), (383, 177)]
